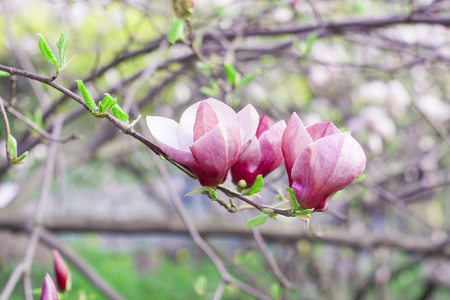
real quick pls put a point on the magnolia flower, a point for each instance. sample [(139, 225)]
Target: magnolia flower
[(263, 154), (49, 291), (320, 161), (208, 138), (62, 273)]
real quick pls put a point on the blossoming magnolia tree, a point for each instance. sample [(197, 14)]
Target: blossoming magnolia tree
[(268, 108)]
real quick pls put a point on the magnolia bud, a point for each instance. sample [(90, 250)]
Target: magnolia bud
[(241, 183), (49, 291), (182, 8), (62, 273)]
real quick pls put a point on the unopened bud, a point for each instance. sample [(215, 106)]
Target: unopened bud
[(242, 183), (49, 291), (62, 273), (182, 8), (268, 211)]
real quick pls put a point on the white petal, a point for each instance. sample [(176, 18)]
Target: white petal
[(248, 121), (164, 131), (8, 191)]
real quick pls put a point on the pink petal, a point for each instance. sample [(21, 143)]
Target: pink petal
[(205, 120), (49, 291), (261, 157), (264, 124), (169, 135), (322, 129), (295, 139), (61, 271), (247, 163), (215, 153), (325, 167), (224, 113), (248, 122), (270, 144)]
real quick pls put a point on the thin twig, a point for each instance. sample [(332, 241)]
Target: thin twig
[(38, 129), (125, 128), (145, 75), (7, 130), (230, 193), (270, 260), (395, 201), (13, 89), (219, 290)]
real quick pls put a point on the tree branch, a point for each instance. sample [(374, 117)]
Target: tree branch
[(338, 237)]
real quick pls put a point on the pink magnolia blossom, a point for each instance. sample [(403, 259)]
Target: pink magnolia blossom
[(49, 291), (208, 138), (62, 273), (320, 161), (263, 154)]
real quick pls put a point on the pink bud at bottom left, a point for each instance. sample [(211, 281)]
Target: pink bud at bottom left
[(49, 291), (62, 273)]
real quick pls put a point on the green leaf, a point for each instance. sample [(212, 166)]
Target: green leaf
[(232, 74), (176, 31), (107, 103), (248, 78), (275, 289), (297, 46), (307, 218), (86, 96), (256, 187), (310, 42), (38, 118), (19, 160), (213, 193), (212, 90), (200, 285), (304, 212), (203, 67), (198, 190), (292, 198), (207, 91), (62, 45), (12, 146), (256, 221), (4, 74), (47, 52), (120, 114)]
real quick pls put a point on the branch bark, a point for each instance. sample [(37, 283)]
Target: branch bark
[(338, 237)]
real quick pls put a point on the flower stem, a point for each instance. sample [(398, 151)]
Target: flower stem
[(229, 193)]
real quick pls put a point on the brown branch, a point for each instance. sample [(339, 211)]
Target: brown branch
[(38, 129), (127, 129), (285, 234), (338, 28)]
